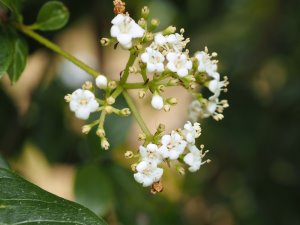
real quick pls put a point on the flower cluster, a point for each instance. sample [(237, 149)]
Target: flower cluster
[(176, 148), (162, 60)]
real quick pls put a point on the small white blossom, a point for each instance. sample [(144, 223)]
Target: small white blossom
[(179, 63), (191, 132), (125, 29), (101, 82), (171, 43), (157, 102), (206, 64), (83, 102), (193, 158), (216, 86), (154, 60), (173, 145), (147, 173), (151, 154)]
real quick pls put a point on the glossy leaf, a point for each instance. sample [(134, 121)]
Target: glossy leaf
[(93, 189), (24, 203), (52, 16), (14, 6), (6, 51)]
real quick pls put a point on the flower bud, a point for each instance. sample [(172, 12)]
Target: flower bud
[(125, 112), (133, 167), (167, 108), (142, 137), (161, 88), (157, 102), (149, 36), (181, 171), (104, 144), (100, 133), (88, 85), (172, 101), (112, 84), (128, 154), (154, 23), (142, 94), (142, 22), (108, 109), (161, 128), (101, 82), (86, 129), (105, 41), (169, 30), (68, 98), (173, 82), (110, 100), (145, 12)]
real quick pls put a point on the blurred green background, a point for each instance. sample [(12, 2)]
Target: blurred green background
[(254, 178)]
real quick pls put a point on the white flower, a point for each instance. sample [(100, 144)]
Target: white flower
[(216, 86), (160, 39), (172, 145), (147, 173), (151, 154), (206, 64), (154, 60), (171, 43), (101, 82), (179, 63), (193, 158), (191, 132), (157, 102), (83, 102), (125, 29)]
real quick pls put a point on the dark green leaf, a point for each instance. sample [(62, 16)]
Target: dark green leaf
[(52, 16), (19, 56), (93, 189), (15, 7), (24, 203), (6, 51)]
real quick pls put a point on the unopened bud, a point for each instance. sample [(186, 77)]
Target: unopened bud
[(112, 84), (149, 36), (108, 109), (138, 47), (169, 30), (157, 102), (67, 98), (125, 112), (167, 108), (104, 144), (88, 85), (128, 154), (133, 167), (145, 12), (100, 133), (181, 171), (142, 137), (101, 81), (154, 23), (105, 41), (142, 22), (172, 101), (86, 129), (192, 86), (173, 82), (142, 94), (161, 88), (161, 128), (110, 100)]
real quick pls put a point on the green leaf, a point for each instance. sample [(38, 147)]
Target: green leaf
[(3, 163), (6, 51), (93, 189), (24, 203), (19, 58), (15, 7), (52, 16)]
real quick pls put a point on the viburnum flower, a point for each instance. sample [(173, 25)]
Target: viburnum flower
[(173, 145), (179, 63), (147, 173), (157, 102), (125, 29), (216, 86), (101, 82), (154, 60), (191, 132), (193, 158), (171, 43), (151, 154), (83, 102), (206, 64)]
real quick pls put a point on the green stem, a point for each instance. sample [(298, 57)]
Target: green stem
[(134, 85), (26, 30), (128, 65), (117, 92), (136, 114)]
